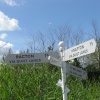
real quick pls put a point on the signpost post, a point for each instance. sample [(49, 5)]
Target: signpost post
[(63, 68)]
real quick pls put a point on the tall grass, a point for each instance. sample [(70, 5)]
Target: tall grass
[(27, 82)]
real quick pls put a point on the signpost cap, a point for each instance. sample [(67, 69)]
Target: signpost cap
[(61, 44)]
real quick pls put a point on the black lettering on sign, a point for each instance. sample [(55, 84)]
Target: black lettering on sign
[(84, 51), (31, 60), (74, 69), (46, 54), (71, 67), (32, 56), (79, 71), (17, 56), (21, 61), (70, 56), (13, 61), (24, 56), (78, 48), (17, 61), (74, 73), (75, 54), (70, 72), (39, 60), (35, 60)]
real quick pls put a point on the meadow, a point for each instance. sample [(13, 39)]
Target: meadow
[(38, 82)]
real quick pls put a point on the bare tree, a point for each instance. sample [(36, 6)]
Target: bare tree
[(48, 42), (97, 37), (60, 34), (95, 32), (42, 42), (31, 43), (95, 57), (77, 37), (66, 34)]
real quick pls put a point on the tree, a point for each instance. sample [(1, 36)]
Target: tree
[(62, 33), (42, 42), (31, 43), (96, 35), (94, 58), (49, 42), (78, 36)]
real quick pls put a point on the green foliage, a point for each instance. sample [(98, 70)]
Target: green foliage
[(91, 67), (27, 82)]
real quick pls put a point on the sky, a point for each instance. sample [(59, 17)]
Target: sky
[(19, 18)]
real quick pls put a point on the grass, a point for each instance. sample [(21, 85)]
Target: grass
[(26, 82)]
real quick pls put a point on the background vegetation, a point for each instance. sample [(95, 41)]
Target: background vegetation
[(28, 82)]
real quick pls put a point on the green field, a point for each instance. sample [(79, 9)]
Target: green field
[(28, 82)]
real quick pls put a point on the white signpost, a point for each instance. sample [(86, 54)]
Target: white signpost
[(30, 58), (53, 57), (74, 52), (80, 50)]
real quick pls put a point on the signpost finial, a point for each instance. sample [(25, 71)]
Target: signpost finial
[(61, 44)]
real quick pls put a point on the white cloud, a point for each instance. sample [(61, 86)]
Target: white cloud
[(3, 35), (14, 2), (4, 48), (8, 24), (10, 2)]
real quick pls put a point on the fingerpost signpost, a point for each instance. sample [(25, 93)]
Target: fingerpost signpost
[(69, 54), (58, 59)]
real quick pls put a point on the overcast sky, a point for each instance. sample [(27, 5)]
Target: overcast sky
[(19, 18)]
